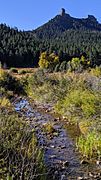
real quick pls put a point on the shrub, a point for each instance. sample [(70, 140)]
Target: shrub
[(96, 71), (22, 72), (63, 66), (78, 64), (35, 81), (10, 83), (48, 61), (93, 83), (47, 88), (44, 93), (75, 65), (62, 88), (39, 77), (13, 70), (79, 103), (57, 68)]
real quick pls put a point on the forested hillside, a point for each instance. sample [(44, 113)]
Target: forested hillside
[(17, 48), (68, 37), (74, 43)]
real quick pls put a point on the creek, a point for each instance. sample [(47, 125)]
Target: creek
[(60, 155)]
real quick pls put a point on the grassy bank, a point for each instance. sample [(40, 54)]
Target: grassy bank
[(74, 96), (20, 155), (77, 98)]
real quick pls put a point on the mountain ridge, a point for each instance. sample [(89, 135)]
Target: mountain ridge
[(67, 36), (64, 22)]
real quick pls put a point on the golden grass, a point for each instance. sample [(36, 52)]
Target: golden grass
[(4, 102)]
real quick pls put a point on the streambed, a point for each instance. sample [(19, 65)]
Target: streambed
[(60, 156)]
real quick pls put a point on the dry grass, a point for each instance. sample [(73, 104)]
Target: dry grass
[(28, 71)]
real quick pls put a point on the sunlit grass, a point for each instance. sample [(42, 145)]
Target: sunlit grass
[(4, 102), (90, 145), (20, 156), (79, 102), (96, 71)]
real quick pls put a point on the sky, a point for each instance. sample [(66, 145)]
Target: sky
[(30, 14)]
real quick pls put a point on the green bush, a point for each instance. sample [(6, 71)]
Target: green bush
[(47, 88), (63, 66), (10, 83), (13, 70), (96, 71), (56, 69), (32, 84), (78, 64), (22, 72), (79, 102)]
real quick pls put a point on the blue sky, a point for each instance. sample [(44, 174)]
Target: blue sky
[(30, 14)]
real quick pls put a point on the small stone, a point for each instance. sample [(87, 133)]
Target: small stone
[(95, 176), (53, 156), (58, 118), (63, 168), (55, 133), (35, 126), (90, 174), (56, 172), (65, 163), (49, 136), (84, 162), (61, 135), (47, 110), (55, 119), (63, 147), (63, 177), (52, 146), (86, 177), (98, 162), (63, 117), (99, 174), (79, 178)]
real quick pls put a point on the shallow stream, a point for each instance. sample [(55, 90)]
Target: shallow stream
[(60, 156)]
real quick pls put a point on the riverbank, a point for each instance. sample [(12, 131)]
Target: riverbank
[(64, 111), (60, 153)]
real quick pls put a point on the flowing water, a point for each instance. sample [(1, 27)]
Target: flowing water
[(60, 156)]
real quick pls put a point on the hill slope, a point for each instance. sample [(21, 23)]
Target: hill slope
[(17, 48)]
